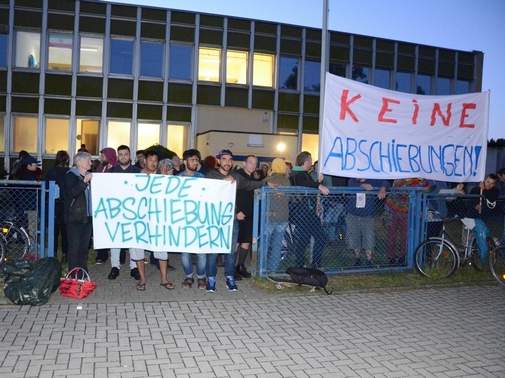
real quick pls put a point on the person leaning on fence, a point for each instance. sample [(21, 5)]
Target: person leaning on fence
[(124, 165), (486, 213), (77, 210), (57, 174), (278, 212), (303, 213), (192, 159), (225, 172), (360, 220), (397, 204)]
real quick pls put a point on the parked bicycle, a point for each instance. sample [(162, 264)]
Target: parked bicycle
[(441, 256), (16, 241)]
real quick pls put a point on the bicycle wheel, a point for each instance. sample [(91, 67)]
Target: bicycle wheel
[(2, 250), (497, 264), (436, 259), (17, 242), (475, 257)]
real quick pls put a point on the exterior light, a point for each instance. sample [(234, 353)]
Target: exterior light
[(281, 147)]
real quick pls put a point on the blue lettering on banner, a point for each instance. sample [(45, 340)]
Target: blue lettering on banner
[(390, 157)]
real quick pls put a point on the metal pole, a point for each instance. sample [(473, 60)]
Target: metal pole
[(324, 35)]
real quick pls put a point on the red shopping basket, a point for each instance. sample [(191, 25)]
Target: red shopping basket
[(73, 287)]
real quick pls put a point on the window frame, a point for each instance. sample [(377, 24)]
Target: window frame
[(88, 118), (4, 67), (187, 126), (192, 64), (12, 150), (15, 50), (275, 63), (163, 62), (105, 142), (305, 90), (298, 76), (90, 35), (239, 85), (144, 121)]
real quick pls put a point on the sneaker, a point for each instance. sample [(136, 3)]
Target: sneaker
[(114, 272), (211, 285), (230, 284), (243, 271), (188, 282), (201, 283), (135, 274)]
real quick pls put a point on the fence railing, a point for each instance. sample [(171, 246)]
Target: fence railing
[(30, 205), (349, 230)]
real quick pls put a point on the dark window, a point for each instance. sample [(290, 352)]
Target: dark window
[(181, 62), (287, 122), (89, 86), (177, 113), (263, 99), (463, 86), (337, 69), (403, 82), (312, 76), (381, 78), (150, 90), (25, 82), (208, 95), (311, 104), (423, 85), (443, 86), (3, 50), (236, 97), (121, 52), (92, 7), (120, 88), (151, 56), (288, 73), (289, 102), (58, 84), (360, 74), (92, 24), (180, 93)]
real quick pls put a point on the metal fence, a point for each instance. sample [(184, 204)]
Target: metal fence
[(30, 206), (347, 231)]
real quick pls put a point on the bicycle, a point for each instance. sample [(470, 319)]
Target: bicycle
[(17, 242), (440, 256), (497, 263)]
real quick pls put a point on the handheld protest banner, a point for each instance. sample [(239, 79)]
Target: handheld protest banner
[(370, 132), (162, 213)]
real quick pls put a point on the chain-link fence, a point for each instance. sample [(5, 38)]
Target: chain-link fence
[(27, 218), (347, 230)]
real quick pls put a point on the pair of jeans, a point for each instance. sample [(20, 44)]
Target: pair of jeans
[(276, 237), (481, 235), (229, 258), (115, 254), (188, 266), (307, 226)]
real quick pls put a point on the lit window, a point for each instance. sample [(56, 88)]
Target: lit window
[(27, 49), (4, 40), (60, 52), (121, 56), (381, 78), (91, 54), (310, 143), (288, 73), (148, 135), (2, 140), (403, 82), (151, 56), (56, 135), (25, 134), (236, 67), (181, 62), (423, 85), (312, 76), (360, 74), (118, 133), (177, 136), (443, 86), (209, 64), (263, 70), (87, 134)]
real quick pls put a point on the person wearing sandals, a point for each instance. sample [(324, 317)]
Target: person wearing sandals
[(192, 159), (137, 255)]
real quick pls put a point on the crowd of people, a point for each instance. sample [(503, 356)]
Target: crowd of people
[(309, 218)]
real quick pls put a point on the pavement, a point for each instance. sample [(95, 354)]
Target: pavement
[(119, 332)]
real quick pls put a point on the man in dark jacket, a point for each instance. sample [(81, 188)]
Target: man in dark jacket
[(225, 172), (117, 258), (77, 210), (303, 213)]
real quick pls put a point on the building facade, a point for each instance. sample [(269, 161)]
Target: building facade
[(104, 74)]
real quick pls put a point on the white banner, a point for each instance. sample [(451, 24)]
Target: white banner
[(162, 213), (369, 132)]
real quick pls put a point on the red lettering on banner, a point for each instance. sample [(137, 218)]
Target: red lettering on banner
[(465, 107), (436, 110), (416, 112), (344, 105), (385, 108)]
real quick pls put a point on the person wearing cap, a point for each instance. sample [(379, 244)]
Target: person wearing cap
[(225, 172), (192, 159), (28, 169)]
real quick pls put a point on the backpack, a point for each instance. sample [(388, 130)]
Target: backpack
[(310, 277)]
